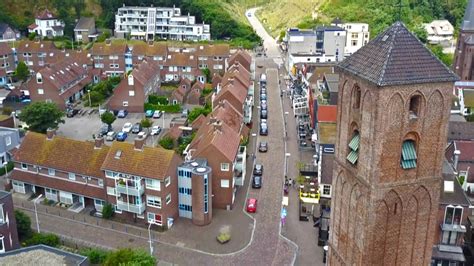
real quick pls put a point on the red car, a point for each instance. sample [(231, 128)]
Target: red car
[(252, 205)]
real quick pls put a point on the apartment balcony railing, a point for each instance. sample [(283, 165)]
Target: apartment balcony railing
[(130, 190), (131, 207)]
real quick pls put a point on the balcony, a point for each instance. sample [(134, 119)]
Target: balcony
[(453, 227), (131, 207), (130, 189), (240, 166)]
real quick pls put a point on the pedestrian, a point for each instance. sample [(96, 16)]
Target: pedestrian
[(294, 183)]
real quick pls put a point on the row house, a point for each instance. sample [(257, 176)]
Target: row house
[(47, 25), (62, 83), (219, 144), (110, 58), (7, 63), (85, 30), (138, 181), (8, 230), (132, 92), (213, 57), (150, 51), (243, 58), (179, 65), (8, 33)]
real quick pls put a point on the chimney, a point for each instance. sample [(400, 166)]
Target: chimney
[(456, 159), (221, 103), (231, 81), (130, 80), (50, 133), (217, 126), (139, 143), (99, 141), (212, 119)]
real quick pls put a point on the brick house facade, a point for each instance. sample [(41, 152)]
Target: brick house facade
[(464, 54), (391, 136), (8, 231)]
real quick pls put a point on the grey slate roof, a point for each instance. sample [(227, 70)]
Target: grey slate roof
[(397, 57), (468, 22), (3, 27), (460, 130), (85, 23)]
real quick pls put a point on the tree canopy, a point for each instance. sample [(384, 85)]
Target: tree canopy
[(22, 72), (42, 115), (107, 118)]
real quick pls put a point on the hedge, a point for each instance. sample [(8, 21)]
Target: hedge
[(51, 240), (10, 166), (176, 108), (156, 99)]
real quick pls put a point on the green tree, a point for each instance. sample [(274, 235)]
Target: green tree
[(128, 256), (40, 116), (22, 72), (438, 51), (23, 225), (146, 123), (421, 33), (96, 256), (197, 112), (107, 211), (108, 118), (167, 143), (207, 73)]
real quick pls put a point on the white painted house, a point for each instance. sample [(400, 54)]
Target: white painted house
[(47, 25)]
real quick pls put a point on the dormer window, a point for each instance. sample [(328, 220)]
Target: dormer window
[(453, 215), (354, 148), (39, 78), (415, 103), (408, 160)]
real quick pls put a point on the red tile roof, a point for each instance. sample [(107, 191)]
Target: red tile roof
[(327, 113), (45, 14)]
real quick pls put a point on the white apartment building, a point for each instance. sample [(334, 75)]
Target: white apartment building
[(148, 23), (47, 25), (357, 35)]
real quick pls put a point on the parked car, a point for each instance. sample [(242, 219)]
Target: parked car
[(263, 105), (9, 87), (157, 114), (155, 130), (142, 134), (72, 112), (122, 136), (136, 128), (127, 127), (263, 97), (110, 136), (122, 113), (257, 181), (263, 113), (149, 113), (252, 205), (104, 129), (185, 113), (263, 129), (263, 90), (258, 169), (263, 146)]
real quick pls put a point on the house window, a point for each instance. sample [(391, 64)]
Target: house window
[(153, 201), (154, 218), (2, 214), (225, 167), (354, 43), (111, 191), (8, 140), (99, 202), (449, 237), (100, 182), (327, 190), (131, 93), (2, 244), (72, 176), (51, 172), (167, 181), (24, 166), (225, 183), (408, 160), (40, 91), (206, 194), (356, 98), (354, 148), (168, 199), (117, 210), (453, 215), (415, 103), (125, 103), (152, 184), (51, 194)]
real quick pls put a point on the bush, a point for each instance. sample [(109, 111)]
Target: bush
[(7, 110), (223, 238), (48, 239), (167, 143), (96, 256), (197, 112), (23, 225), (128, 256), (107, 211), (10, 166), (156, 99), (174, 108)]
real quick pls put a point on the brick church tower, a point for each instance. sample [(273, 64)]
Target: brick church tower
[(393, 108), (464, 54)]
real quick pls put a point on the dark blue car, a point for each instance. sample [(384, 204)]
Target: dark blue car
[(121, 136)]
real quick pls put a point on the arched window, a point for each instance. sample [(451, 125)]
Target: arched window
[(415, 106), (354, 148), (356, 94), (408, 160)]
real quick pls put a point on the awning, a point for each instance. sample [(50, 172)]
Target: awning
[(408, 155), (352, 157), (354, 144)]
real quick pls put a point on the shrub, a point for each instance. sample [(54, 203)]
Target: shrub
[(23, 225), (96, 256), (48, 239), (167, 143), (10, 166), (107, 211), (174, 108), (156, 99), (7, 110), (223, 238), (128, 256)]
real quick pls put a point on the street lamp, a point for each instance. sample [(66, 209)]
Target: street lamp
[(6, 169), (163, 116), (149, 236), (89, 93), (36, 212)]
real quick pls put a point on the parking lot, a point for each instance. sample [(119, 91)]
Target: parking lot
[(83, 127)]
